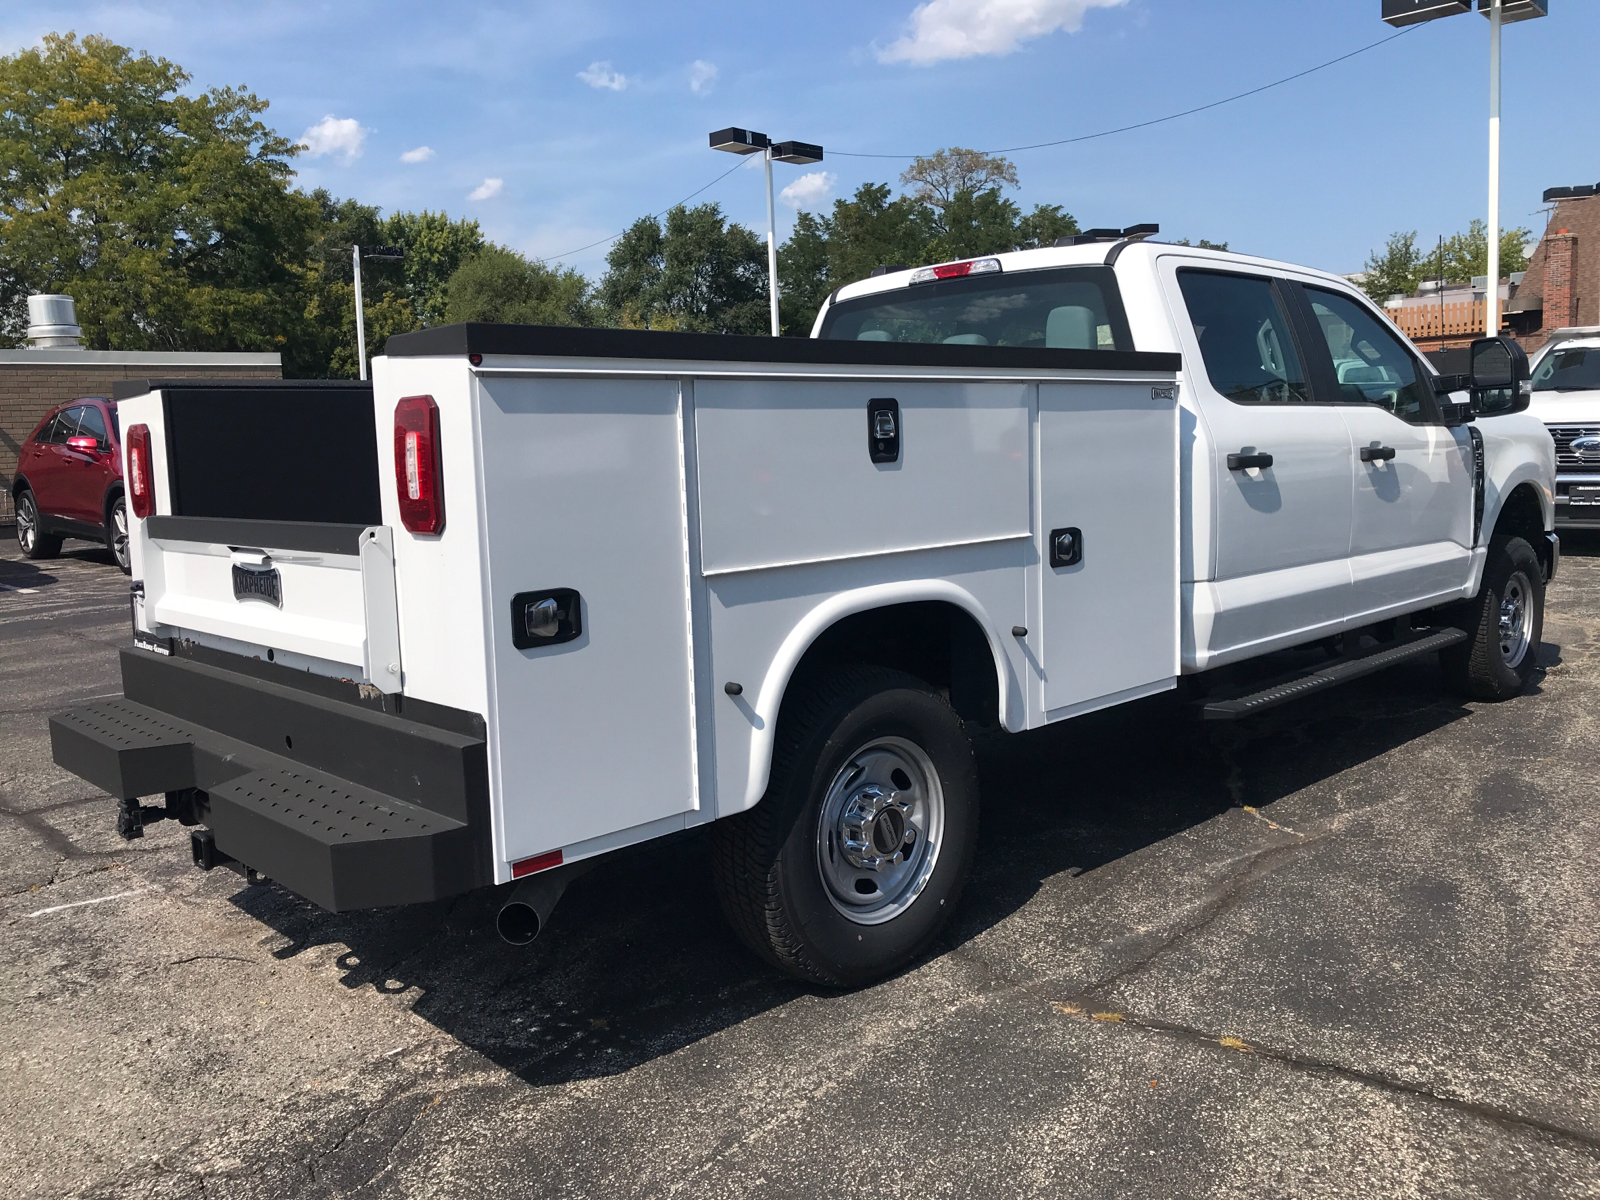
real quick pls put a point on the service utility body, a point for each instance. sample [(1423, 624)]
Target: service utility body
[(536, 594)]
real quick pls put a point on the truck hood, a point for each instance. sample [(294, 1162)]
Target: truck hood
[(1567, 408)]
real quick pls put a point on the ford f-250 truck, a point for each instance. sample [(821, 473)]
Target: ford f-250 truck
[(1566, 397), (537, 594)]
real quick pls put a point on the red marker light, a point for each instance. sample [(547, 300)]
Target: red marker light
[(418, 480), (539, 862)]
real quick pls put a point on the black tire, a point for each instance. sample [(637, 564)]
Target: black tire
[(770, 862), (117, 533), (1513, 589), (30, 541)]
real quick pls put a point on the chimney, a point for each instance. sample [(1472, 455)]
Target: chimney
[(53, 324), (1558, 299)]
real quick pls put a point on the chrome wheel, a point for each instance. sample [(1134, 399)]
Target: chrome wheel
[(879, 830), (27, 523), (119, 533), (1516, 620)]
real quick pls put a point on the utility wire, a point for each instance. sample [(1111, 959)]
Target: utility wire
[(1087, 137), (1188, 112), (663, 212)]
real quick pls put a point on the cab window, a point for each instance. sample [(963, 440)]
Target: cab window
[(1370, 364), (1245, 340), (92, 424)]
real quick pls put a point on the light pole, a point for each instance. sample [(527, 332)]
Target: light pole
[(744, 141), (1499, 12), (356, 255)]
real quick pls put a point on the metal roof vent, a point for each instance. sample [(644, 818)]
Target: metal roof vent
[(53, 323)]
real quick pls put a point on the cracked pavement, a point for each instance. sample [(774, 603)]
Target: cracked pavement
[(1345, 948)]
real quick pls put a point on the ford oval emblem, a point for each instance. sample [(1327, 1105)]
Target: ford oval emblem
[(1587, 448)]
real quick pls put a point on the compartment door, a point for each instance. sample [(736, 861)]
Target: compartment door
[(583, 490), (1108, 469)]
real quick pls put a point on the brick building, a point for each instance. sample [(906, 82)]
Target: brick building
[(54, 369), (1562, 287)]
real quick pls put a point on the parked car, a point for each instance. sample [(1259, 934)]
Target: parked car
[(1566, 397), (537, 594), (69, 481)]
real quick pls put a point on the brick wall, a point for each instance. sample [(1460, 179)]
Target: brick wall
[(28, 391)]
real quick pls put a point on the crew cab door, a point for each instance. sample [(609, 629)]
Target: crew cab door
[(1279, 569), (1411, 526)]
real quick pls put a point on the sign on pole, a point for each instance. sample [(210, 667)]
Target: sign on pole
[(1414, 12), (1517, 10)]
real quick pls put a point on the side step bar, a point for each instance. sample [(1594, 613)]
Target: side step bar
[(1306, 682)]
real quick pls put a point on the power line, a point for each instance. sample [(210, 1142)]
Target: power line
[(1087, 137), (1188, 112)]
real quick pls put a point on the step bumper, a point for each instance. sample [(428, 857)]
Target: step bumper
[(318, 811)]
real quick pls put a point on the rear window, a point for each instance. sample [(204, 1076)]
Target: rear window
[(1069, 308)]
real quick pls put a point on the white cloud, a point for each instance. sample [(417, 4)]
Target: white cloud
[(810, 190), (340, 137), (486, 189), (600, 75), (941, 29), (420, 154), (702, 77)]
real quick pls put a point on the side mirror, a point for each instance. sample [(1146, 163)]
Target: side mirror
[(83, 444), (1499, 375)]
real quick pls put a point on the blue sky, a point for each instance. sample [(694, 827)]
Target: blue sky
[(557, 124)]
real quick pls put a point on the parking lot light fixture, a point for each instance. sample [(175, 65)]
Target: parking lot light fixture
[(747, 141)]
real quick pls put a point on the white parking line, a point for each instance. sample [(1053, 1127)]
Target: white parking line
[(80, 903)]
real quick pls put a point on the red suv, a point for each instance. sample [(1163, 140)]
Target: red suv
[(69, 481)]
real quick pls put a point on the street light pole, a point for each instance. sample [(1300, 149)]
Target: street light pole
[(772, 244), (1491, 306), (361, 324), (745, 141)]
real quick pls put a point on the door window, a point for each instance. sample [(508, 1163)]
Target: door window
[(56, 430), (70, 420), (1244, 337), (92, 424), (1370, 364)]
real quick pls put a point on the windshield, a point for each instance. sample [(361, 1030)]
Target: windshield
[(1072, 308), (1575, 369)]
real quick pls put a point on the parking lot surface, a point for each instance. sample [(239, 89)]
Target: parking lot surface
[(1347, 948)]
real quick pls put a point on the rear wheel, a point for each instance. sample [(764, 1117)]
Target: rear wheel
[(1504, 625), (30, 540), (117, 534), (856, 856)]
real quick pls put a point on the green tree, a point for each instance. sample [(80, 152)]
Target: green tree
[(871, 230), (435, 247), (167, 216), (939, 178), (972, 224), (700, 273), (500, 285), (1044, 226), (1395, 268), (1466, 255), (803, 282)]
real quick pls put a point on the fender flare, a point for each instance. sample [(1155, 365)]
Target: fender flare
[(835, 608)]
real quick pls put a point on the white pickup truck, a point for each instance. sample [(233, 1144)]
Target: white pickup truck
[(538, 594), (1566, 397)]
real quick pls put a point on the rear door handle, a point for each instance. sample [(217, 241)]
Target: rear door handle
[(1244, 462), (1377, 453)]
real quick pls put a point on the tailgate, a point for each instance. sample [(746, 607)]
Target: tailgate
[(267, 537)]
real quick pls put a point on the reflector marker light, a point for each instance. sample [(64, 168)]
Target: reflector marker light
[(973, 266), (539, 862), (417, 464), (141, 478)]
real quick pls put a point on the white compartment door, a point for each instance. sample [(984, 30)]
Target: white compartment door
[(1108, 469), (583, 489)]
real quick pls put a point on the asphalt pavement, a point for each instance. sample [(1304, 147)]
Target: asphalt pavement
[(1346, 948)]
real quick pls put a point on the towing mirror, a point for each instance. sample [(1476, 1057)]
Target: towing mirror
[(1499, 375)]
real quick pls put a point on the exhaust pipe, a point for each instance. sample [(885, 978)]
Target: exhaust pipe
[(527, 910)]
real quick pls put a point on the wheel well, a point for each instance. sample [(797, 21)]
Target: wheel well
[(112, 492), (18, 486), (938, 642), (1523, 516)]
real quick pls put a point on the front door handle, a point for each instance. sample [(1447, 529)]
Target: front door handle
[(1377, 453), (1245, 462)]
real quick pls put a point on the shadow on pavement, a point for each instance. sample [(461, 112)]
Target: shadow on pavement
[(638, 962)]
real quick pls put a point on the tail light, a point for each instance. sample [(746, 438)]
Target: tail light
[(957, 270), (416, 464), (141, 478)]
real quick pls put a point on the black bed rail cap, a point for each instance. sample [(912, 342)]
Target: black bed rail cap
[(124, 389), (559, 341)]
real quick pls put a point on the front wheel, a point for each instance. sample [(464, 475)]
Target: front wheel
[(1504, 625), (856, 856), (30, 540), (117, 535)]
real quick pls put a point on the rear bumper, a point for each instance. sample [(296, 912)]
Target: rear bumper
[(347, 805)]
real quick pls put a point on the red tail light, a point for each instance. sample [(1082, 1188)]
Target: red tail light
[(141, 478), (416, 464)]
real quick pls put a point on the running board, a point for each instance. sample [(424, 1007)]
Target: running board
[(1307, 682)]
